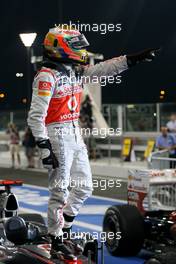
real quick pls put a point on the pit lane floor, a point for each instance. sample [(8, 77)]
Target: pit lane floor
[(33, 197)]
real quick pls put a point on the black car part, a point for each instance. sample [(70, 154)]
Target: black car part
[(33, 218), (127, 221), (19, 232), (163, 258)]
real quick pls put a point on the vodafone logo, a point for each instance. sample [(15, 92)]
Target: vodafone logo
[(69, 116), (44, 85), (72, 103)]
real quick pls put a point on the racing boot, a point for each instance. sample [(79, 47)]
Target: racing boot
[(67, 233), (70, 239), (60, 250)]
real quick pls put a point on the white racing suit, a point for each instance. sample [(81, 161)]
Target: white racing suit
[(54, 114)]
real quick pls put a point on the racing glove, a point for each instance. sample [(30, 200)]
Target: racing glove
[(147, 55), (48, 157)]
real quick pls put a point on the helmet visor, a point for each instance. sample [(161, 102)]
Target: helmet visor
[(78, 42)]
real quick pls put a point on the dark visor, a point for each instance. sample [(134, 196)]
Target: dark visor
[(78, 42)]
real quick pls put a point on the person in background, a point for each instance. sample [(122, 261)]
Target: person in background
[(86, 111), (171, 125), (87, 121), (167, 141), (14, 143), (29, 144)]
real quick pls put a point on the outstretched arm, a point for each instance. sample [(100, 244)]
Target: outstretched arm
[(119, 64), (107, 68)]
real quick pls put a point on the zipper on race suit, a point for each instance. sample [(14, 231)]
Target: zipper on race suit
[(69, 73), (73, 111)]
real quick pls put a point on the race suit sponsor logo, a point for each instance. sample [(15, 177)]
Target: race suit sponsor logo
[(44, 85), (70, 116), (72, 103), (68, 90), (44, 93)]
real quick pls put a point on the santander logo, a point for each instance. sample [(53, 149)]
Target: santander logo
[(68, 90)]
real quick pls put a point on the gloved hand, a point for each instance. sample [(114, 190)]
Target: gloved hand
[(147, 55), (48, 157)]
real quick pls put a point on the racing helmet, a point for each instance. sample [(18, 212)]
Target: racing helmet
[(64, 43)]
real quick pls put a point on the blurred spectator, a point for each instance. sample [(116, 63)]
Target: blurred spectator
[(29, 144), (171, 125), (167, 141), (86, 112), (86, 119), (83, 121), (14, 143)]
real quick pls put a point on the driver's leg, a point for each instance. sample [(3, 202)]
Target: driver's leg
[(81, 178), (58, 183)]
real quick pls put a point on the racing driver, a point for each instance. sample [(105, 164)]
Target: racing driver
[(55, 109)]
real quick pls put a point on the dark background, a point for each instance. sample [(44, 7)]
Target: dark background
[(145, 23)]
